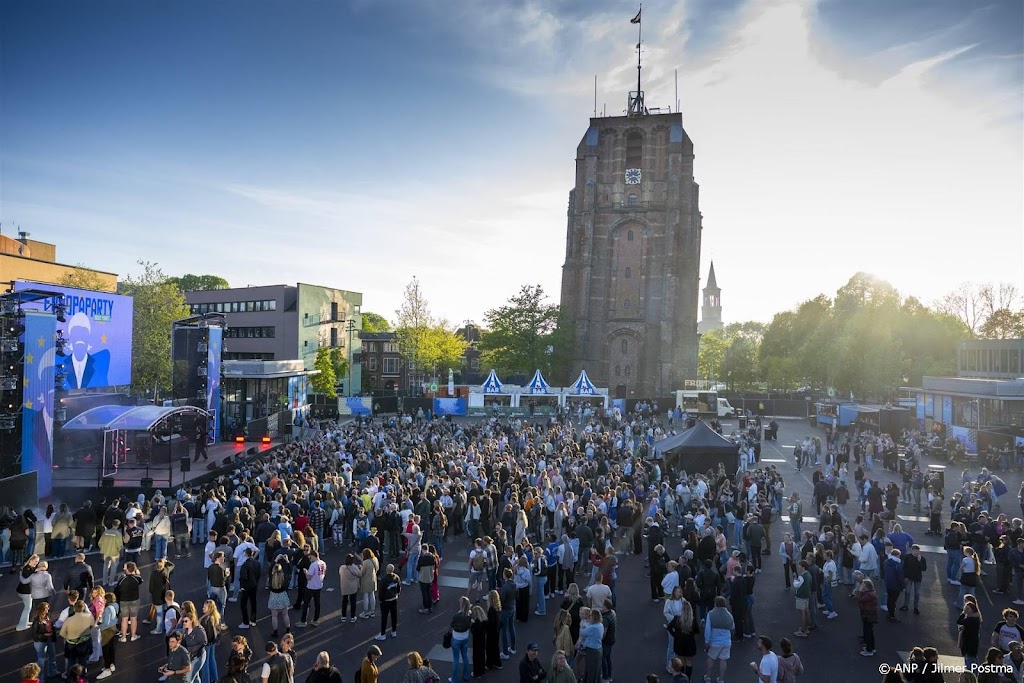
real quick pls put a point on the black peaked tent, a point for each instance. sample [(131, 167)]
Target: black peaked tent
[(698, 449)]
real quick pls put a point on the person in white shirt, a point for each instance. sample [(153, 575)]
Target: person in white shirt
[(768, 670)]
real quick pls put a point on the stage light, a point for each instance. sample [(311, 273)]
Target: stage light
[(60, 414), (265, 439), (239, 439), (15, 329), (8, 307), (62, 346), (7, 422), (8, 345), (60, 310), (8, 383), (58, 378)]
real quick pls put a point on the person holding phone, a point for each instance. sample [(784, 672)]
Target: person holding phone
[(179, 664)]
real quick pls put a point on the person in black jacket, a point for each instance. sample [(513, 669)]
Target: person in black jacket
[(127, 591), (248, 584), (914, 567), (79, 576), (530, 668)]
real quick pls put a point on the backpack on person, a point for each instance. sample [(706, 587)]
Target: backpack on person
[(479, 561)]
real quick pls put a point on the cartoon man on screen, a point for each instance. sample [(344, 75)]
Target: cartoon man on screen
[(83, 369)]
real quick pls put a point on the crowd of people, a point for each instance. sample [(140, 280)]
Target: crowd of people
[(548, 510)]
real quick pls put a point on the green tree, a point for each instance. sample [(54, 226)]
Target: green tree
[(374, 322), (413, 323), (157, 304), (83, 278), (710, 353), (325, 381), (1003, 324), (520, 333), (199, 283), (442, 350)]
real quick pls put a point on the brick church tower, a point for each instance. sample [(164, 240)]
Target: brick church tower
[(631, 277)]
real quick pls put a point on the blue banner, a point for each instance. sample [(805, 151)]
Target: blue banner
[(37, 408), (947, 409), (213, 349)]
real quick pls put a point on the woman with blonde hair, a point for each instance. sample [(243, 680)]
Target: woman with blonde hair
[(323, 672), (563, 636), (238, 661), (211, 623), (970, 573), (419, 671), (460, 626), (572, 603), (368, 583), (478, 640)]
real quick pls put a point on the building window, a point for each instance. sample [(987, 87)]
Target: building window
[(629, 235), (632, 200), (625, 346), (371, 363), (390, 366), (390, 347), (634, 150), (628, 371), (625, 303), (629, 272)]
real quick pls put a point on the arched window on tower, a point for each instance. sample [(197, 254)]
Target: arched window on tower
[(625, 303), (629, 235), (632, 200), (634, 150), (625, 346), (629, 272)]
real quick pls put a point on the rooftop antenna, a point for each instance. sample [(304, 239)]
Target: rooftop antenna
[(595, 96), (636, 99)]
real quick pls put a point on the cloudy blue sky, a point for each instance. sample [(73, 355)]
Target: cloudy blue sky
[(356, 144)]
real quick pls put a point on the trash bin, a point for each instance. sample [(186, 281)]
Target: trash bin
[(743, 422)]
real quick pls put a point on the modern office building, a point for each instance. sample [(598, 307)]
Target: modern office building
[(285, 322)]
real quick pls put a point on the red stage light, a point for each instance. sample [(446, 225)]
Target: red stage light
[(265, 439), (239, 439)]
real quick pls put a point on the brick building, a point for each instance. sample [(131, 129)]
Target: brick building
[(383, 368), (632, 255)]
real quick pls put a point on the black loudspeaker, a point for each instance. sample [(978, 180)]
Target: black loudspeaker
[(108, 482), (251, 451), (186, 464), (147, 482)]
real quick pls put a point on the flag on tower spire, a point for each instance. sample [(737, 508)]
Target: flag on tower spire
[(636, 19)]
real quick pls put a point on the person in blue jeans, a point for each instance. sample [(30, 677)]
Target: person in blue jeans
[(462, 667)]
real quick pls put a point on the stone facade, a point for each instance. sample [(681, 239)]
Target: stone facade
[(632, 256)]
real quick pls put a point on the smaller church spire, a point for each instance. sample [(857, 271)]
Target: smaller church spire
[(636, 99), (712, 283)]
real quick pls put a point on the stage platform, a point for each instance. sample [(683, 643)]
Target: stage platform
[(73, 485)]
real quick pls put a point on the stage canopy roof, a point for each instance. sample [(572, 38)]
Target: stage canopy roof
[(583, 386), (698, 449), (130, 418), (492, 385), (537, 385)]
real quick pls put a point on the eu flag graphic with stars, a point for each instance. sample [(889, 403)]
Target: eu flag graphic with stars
[(37, 406)]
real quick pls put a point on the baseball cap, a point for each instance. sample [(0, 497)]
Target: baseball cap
[(533, 646), (374, 650)]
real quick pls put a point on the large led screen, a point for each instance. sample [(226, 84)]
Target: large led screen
[(99, 334)]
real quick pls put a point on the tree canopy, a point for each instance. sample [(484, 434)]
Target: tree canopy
[(198, 283), (158, 302), (326, 380), (429, 346), (867, 339), (374, 322), (522, 334), (83, 278)]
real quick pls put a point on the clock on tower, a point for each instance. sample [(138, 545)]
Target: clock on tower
[(632, 176)]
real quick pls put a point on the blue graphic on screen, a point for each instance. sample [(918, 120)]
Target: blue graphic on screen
[(947, 409), (450, 406), (99, 334), (213, 349), (37, 406)]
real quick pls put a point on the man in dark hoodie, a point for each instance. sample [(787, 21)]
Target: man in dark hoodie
[(892, 571)]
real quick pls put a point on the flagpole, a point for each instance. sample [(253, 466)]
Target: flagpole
[(639, 43)]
